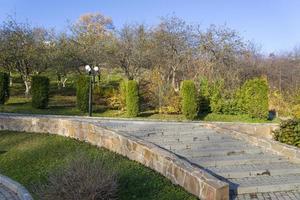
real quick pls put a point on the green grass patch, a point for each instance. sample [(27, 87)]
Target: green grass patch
[(29, 157)]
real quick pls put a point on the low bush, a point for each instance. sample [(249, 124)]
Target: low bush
[(4, 87), (173, 103), (40, 91), (289, 132), (189, 99), (82, 93), (83, 178), (132, 99)]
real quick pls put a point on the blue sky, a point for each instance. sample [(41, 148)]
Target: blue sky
[(273, 24)]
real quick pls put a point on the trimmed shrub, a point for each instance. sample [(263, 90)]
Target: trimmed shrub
[(82, 178), (189, 99), (204, 102), (216, 99), (4, 87), (122, 94), (253, 98), (40, 91), (82, 93), (132, 98), (289, 132)]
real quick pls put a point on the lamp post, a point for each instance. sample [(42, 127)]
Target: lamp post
[(91, 72)]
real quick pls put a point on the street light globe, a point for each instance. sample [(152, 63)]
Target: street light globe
[(87, 68), (96, 68)]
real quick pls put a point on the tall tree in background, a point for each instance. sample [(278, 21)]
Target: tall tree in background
[(221, 48), (25, 49), (133, 51), (174, 42), (91, 35)]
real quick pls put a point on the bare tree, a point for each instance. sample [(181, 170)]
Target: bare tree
[(132, 50), (25, 49), (173, 49)]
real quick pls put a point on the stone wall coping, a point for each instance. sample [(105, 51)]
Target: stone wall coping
[(193, 178), (140, 120), (15, 187)]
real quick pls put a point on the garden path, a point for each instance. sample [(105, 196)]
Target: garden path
[(251, 172)]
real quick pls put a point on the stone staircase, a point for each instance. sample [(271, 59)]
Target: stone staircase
[(247, 168)]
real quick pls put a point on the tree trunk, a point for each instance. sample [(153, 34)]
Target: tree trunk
[(174, 84), (64, 82), (10, 79), (27, 87)]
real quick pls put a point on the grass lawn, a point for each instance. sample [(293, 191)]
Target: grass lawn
[(29, 157), (66, 105)]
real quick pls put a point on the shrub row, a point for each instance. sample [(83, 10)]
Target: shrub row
[(289, 132), (251, 99), (127, 99), (4, 87)]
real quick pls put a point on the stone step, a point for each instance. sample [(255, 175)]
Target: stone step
[(169, 139), (202, 143), (265, 184), (219, 161), (252, 170), (216, 152), (203, 146)]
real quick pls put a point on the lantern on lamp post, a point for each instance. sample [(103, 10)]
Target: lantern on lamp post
[(92, 72)]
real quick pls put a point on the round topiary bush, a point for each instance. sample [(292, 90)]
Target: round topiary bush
[(132, 98), (189, 99), (40, 91), (82, 93), (4, 87)]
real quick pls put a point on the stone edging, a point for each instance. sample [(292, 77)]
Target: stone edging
[(288, 151), (194, 179), (15, 187)]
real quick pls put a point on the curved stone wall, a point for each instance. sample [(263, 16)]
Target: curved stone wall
[(193, 179)]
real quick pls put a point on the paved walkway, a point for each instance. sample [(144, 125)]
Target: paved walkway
[(251, 172), (6, 194)]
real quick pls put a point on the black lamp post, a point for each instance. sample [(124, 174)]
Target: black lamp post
[(91, 72)]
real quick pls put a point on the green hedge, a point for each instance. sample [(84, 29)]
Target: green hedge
[(289, 132), (82, 93), (40, 91), (253, 99), (122, 94), (216, 99), (189, 99), (4, 87), (204, 96), (132, 98)]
